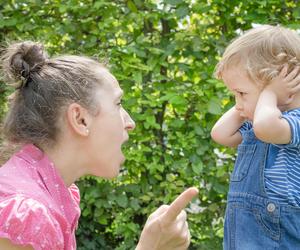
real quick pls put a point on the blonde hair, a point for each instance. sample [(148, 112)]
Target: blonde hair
[(262, 52)]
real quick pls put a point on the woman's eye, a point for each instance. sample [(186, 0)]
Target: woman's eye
[(119, 103), (241, 93)]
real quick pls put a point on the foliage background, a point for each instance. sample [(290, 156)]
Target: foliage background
[(163, 53)]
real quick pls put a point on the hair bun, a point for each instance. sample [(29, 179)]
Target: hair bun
[(19, 60)]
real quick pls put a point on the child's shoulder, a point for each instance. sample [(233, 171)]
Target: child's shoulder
[(292, 112)]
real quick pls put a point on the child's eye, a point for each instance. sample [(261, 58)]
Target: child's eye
[(119, 103), (241, 93)]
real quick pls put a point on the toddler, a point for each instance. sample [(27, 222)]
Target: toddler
[(261, 69)]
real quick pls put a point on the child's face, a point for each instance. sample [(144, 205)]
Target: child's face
[(246, 92)]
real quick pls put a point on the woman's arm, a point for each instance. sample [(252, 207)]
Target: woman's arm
[(225, 131), (7, 245)]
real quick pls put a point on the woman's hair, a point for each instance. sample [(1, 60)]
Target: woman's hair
[(44, 86), (262, 52)]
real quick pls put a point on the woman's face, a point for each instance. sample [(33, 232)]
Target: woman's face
[(108, 129)]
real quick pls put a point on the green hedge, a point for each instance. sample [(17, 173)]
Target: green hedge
[(163, 53)]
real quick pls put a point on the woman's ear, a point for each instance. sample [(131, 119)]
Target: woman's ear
[(79, 119)]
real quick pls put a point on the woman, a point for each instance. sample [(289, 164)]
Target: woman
[(67, 113)]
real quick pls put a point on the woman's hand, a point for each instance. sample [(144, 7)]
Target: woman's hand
[(167, 228)]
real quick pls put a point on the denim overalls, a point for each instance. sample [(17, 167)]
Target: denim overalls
[(252, 220)]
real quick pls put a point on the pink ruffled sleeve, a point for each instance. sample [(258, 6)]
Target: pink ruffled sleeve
[(25, 221), (74, 190)]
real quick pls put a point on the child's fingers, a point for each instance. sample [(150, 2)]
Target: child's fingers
[(283, 71), (292, 74), (289, 100), (294, 82), (295, 89)]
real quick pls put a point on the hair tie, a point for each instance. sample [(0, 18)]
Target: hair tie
[(23, 83)]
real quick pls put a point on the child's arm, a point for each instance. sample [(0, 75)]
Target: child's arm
[(268, 124), (225, 131)]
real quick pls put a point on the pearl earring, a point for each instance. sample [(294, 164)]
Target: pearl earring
[(87, 131)]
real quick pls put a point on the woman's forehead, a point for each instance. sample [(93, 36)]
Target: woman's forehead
[(109, 82)]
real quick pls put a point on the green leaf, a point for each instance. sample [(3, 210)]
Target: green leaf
[(99, 4), (135, 204), (102, 220), (137, 77), (173, 2), (178, 100), (214, 106), (197, 167), (122, 200), (132, 6), (182, 11), (63, 8), (296, 13)]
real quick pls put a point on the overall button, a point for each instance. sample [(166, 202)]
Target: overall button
[(271, 207)]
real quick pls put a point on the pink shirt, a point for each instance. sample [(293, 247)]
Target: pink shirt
[(36, 207)]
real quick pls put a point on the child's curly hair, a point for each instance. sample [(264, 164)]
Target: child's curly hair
[(262, 52)]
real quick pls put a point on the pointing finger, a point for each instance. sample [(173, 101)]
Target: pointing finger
[(179, 204)]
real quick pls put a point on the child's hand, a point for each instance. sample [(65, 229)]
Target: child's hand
[(285, 86)]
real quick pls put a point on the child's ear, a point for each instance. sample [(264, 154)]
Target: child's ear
[(78, 119)]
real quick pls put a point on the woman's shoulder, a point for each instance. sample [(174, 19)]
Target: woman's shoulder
[(17, 180), (24, 220)]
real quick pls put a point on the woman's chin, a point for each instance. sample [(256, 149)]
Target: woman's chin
[(118, 167), (110, 175)]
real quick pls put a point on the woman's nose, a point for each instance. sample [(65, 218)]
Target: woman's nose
[(129, 122)]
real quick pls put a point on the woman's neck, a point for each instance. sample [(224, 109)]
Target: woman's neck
[(67, 162)]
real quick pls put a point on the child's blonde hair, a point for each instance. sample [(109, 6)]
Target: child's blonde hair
[(262, 52)]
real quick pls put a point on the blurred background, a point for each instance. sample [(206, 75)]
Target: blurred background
[(163, 52)]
